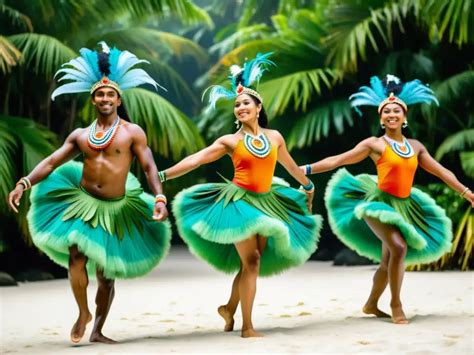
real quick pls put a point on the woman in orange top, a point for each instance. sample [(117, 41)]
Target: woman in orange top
[(252, 225), (383, 217)]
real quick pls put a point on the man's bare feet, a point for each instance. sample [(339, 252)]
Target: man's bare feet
[(79, 328), (100, 338), (398, 316), (229, 319), (251, 333), (373, 309)]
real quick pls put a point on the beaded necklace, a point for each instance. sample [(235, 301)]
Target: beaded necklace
[(258, 146), (102, 139), (403, 149)]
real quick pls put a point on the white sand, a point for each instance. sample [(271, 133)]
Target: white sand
[(311, 309)]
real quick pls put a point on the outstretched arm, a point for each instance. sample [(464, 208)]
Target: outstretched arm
[(145, 158), (65, 153), (358, 153), (207, 155), (428, 163), (285, 159)]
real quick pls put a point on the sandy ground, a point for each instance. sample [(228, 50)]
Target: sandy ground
[(312, 309)]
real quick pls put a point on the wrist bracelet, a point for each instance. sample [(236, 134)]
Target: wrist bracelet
[(464, 191), (162, 175), (161, 198), (308, 188), (25, 182), (308, 169)]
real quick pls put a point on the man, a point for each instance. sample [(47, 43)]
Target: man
[(95, 218)]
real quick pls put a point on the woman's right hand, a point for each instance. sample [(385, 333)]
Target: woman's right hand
[(14, 197)]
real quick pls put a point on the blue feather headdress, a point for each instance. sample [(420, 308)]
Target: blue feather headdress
[(392, 90), (108, 68), (241, 80)]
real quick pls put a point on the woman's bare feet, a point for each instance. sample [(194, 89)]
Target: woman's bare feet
[(398, 316), (100, 338), (229, 318), (251, 333), (79, 328), (373, 309)]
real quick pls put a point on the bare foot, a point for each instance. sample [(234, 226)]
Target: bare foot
[(79, 328), (229, 319), (251, 333), (100, 338), (398, 316), (373, 309)]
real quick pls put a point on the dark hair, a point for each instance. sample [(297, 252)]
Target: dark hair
[(122, 112), (262, 116)]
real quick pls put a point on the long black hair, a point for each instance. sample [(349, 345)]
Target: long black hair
[(262, 116)]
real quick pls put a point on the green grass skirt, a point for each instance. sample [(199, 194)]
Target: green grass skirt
[(212, 217), (117, 235), (424, 225)]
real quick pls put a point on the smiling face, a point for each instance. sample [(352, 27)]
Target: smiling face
[(246, 109), (392, 116), (106, 101)]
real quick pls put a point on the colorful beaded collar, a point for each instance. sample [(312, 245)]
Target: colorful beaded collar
[(258, 146), (100, 140), (404, 149)]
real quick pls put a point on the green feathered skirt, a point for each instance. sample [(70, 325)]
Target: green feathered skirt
[(423, 224), (118, 236), (212, 217)]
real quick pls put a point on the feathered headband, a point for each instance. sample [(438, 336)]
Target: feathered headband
[(392, 90), (241, 80), (108, 68)]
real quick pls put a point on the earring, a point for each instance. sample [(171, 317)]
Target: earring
[(382, 125), (405, 124), (258, 114), (237, 124)]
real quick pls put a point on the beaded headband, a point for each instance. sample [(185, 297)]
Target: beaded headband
[(392, 99)]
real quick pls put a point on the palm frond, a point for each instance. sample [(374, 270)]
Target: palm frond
[(316, 124), (354, 28), (42, 53), (467, 163), (186, 10), (299, 88), (156, 44), (8, 146), (239, 37), (9, 55), (456, 142), (451, 18), (169, 131), (17, 18), (456, 88)]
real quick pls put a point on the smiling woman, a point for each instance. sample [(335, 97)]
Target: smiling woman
[(255, 224), (384, 218)]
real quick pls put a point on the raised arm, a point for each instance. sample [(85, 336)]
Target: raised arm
[(361, 151), (145, 157), (428, 163), (65, 153), (207, 155)]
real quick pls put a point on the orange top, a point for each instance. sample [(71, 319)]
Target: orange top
[(395, 173), (251, 172)]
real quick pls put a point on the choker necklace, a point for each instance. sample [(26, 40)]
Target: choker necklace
[(403, 149), (102, 139), (258, 146)]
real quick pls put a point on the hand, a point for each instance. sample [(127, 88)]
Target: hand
[(160, 213), (309, 201), (470, 197), (15, 196)]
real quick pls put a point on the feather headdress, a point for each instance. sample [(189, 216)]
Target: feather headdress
[(241, 80), (110, 67), (392, 90)]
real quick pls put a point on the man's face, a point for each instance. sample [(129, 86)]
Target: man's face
[(106, 100)]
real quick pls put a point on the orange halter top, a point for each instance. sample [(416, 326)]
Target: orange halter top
[(395, 173), (251, 172)]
